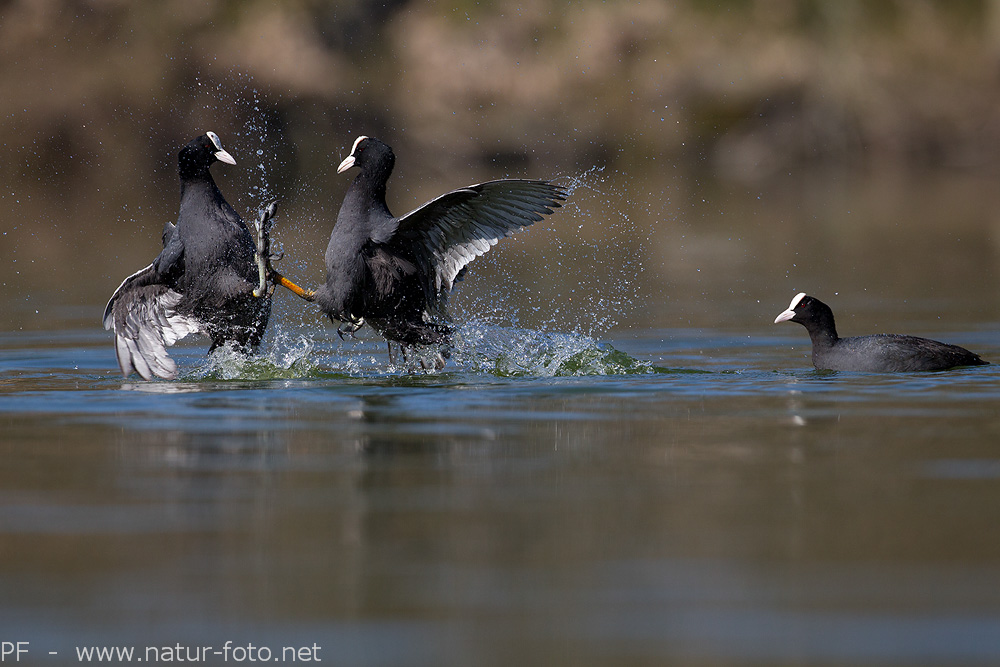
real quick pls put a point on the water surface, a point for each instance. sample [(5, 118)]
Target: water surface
[(624, 463)]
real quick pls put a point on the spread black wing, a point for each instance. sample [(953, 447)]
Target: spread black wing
[(447, 233)]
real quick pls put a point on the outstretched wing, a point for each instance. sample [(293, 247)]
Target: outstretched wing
[(447, 233), (143, 314)]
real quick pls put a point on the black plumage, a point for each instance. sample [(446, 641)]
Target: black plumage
[(201, 282), (877, 353), (396, 272)]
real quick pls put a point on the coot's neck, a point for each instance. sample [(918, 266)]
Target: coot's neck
[(197, 178), (367, 192), (822, 328), (193, 169), (200, 191)]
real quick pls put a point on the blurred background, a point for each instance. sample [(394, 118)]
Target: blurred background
[(723, 155)]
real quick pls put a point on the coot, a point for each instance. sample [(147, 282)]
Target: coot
[(395, 273), (201, 282), (878, 353)]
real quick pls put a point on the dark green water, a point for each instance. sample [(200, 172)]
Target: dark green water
[(676, 487)]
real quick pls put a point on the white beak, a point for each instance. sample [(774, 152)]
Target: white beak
[(785, 316), (790, 312), (223, 156), (346, 164)]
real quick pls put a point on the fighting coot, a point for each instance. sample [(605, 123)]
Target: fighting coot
[(395, 272), (201, 282), (874, 354)]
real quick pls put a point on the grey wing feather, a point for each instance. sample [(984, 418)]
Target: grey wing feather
[(168, 232), (142, 277), (143, 314), (454, 229)]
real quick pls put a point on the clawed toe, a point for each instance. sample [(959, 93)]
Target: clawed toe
[(263, 256), (349, 327)]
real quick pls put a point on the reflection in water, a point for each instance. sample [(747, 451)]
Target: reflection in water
[(649, 517), (688, 490), (163, 387)]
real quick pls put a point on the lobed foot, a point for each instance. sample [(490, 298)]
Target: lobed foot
[(263, 256), (349, 327)]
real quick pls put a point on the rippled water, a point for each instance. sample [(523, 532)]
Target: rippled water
[(624, 462), (676, 496)]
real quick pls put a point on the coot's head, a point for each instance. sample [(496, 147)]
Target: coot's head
[(371, 156), (811, 313), (798, 309), (201, 153)]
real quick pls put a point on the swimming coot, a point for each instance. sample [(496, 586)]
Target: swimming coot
[(201, 282), (878, 353), (395, 273)]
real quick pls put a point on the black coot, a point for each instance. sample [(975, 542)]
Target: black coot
[(396, 272), (201, 282), (878, 353)]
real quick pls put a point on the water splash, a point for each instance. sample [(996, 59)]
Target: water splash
[(589, 254), (610, 248), (585, 302), (479, 348), (512, 352), (288, 357)]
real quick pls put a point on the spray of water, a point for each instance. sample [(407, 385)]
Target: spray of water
[(512, 352), (590, 283), (594, 270)]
